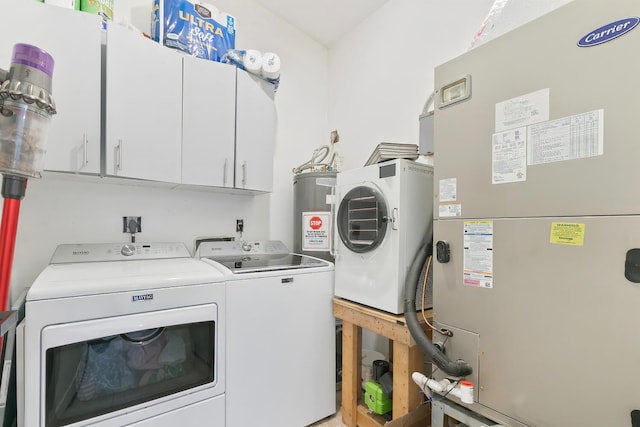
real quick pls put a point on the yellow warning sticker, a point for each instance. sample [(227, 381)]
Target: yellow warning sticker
[(567, 233)]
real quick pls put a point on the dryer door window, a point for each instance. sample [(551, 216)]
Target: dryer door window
[(105, 374), (362, 219)]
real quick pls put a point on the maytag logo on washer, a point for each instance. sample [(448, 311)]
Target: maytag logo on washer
[(609, 32), (143, 297)]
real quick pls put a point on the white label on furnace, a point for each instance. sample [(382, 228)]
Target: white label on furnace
[(449, 210), (316, 231), (569, 138), (478, 254), (523, 110), (509, 156), (448, 190)]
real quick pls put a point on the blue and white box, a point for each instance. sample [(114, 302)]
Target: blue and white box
[(198, 29)]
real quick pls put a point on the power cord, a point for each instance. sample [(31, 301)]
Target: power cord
[(133, 227)]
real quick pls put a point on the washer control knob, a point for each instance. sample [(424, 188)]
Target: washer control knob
[(128, 249), (246, 246)]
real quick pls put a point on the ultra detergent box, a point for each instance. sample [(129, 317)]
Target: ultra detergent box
[(198, 29)]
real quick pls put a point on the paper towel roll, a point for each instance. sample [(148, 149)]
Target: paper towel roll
[(270, 65), (252, 61), (215, 12)]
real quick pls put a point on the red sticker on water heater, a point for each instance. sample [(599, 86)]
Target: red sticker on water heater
[(316, 231), (315, 222)]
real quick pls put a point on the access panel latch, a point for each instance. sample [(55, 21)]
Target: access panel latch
[(632, 265), (443, 252)]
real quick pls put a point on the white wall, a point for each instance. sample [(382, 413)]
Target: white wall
[(66, 209), (371, 86), (382, 72), (301, 100), (60, 209)]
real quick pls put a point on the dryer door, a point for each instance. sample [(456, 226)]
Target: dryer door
[(98, 370), (363, 218)]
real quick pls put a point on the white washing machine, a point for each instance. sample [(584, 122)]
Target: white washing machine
[(119, 335), (384, 214), (280, 334)]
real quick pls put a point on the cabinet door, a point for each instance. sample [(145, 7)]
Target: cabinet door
[(73, 40), (208, 122), (255, 133), (143, 108)]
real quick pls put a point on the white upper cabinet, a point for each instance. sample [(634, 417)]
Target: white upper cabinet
[(73, 39), (255, 133), (133, 108), (208, 122), (143, 108)]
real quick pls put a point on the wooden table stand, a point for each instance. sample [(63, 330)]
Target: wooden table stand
[(406, 359)]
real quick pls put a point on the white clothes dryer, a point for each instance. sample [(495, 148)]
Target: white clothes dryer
[(384, 214), (280, 334), (119, 335)]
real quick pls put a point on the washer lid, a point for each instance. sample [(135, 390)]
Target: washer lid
[(267, 262)]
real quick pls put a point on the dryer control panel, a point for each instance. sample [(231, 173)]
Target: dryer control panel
[(71, 253), (217, 249)]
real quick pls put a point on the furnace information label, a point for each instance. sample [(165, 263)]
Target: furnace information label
[(448, 190), (478, 254), (523, 110), (567, 233), (316, 231), (569, 138), (509, 156)]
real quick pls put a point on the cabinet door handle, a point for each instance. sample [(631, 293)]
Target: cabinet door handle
[(119, 156), (244, 174), (85, 154), (224, 173)]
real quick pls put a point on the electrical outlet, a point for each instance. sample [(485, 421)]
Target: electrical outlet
[(239, 225), (127, 219)]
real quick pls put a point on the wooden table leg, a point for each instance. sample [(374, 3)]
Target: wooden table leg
[(351, 372), (406, 394)]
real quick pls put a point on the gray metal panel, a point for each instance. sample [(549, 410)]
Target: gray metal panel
[(426, 134), (544, 54), (559, 330), (465, 346), (308, 196)]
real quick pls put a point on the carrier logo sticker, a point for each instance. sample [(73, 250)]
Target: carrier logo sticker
[(609, 32), (143, 297)]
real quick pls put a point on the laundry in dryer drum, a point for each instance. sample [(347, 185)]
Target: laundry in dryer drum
[(198, 29)]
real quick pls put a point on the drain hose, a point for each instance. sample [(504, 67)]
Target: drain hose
[(459, 368)]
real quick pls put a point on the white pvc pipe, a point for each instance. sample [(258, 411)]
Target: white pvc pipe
[(462, 390)]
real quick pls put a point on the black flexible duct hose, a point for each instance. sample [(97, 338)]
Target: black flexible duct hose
[(459, 368)]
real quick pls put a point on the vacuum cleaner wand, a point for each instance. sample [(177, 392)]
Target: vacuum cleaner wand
[(26, 107)]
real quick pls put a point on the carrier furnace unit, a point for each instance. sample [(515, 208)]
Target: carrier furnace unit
[(537, 182)]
